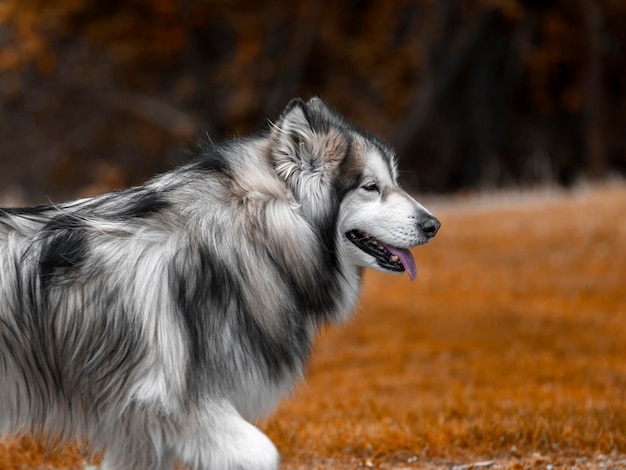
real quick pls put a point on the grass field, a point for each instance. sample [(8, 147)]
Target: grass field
[(510, 347)]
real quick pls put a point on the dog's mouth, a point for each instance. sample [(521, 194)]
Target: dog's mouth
[(388, 257)]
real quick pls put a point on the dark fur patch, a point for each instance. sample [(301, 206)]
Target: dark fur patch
[(34, 210), (65, 247), (350, 175), (144, 204), (209, 158), (211, 301)]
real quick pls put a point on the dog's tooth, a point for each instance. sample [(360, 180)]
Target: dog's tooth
[(395, 259)]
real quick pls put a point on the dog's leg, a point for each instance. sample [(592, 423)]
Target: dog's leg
[(224, 440)]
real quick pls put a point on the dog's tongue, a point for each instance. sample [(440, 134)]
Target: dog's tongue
[(406, 258)]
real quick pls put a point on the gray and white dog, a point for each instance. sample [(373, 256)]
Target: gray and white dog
[(157, 321)]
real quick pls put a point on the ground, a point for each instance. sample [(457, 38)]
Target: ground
[(506, 352)]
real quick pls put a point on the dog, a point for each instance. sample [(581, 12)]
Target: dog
[(159, 321)]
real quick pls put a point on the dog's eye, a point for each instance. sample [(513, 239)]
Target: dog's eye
[(370, 186)]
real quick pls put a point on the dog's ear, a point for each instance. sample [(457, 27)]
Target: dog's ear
[(317, 105), (294, 128), (296, 139), (307, 147)]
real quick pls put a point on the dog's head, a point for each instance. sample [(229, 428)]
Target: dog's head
[(330, 165)]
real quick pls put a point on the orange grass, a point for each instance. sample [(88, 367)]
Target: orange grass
[(510, 344)]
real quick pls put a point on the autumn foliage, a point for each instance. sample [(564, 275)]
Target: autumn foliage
[(479, 93)]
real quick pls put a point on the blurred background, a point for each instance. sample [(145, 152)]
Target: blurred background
[(474, 94)]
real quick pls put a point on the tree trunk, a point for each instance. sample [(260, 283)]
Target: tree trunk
[(593, 97)]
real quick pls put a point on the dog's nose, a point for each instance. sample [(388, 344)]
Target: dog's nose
[(429, 226)]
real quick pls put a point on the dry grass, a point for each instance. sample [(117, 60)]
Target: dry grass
[(509, 346)]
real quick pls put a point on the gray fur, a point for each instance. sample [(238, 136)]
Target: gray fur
[(157, 321)]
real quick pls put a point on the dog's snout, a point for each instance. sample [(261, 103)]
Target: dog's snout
[(429, 226)]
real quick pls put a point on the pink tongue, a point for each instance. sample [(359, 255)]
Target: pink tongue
[(406, 258)]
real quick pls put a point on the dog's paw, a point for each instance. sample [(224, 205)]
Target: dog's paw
[(258, 453)]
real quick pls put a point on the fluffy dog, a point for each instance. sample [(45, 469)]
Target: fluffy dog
[(158, 321)]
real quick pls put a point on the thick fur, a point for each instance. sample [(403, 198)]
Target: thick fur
[(157, 321)]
